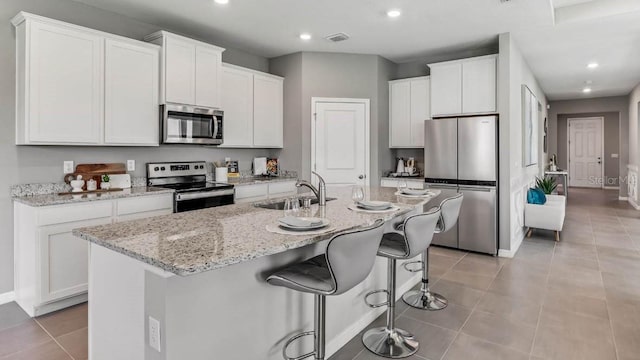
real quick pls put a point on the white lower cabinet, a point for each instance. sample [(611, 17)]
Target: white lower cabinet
[(51, 264), (258, 192)]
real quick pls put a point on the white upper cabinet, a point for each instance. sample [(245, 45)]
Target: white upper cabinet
[(237, 102), (446, 89), (253, 108), (131, 93), (78, 86), (408, 109), (467, 86), (479, 85), (191, 70), (60, 84), (267, 111)]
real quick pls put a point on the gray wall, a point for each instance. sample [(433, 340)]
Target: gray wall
[(618, 105), (611, 143), (339, 76), (28, 164)]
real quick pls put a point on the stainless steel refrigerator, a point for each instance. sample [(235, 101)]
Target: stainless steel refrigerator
[(461, 155)]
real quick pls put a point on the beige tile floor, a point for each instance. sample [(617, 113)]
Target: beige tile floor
[(577, 299)]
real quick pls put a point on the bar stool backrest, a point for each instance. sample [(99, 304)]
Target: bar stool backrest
[(418, 231), (449, 212), (351, 255)]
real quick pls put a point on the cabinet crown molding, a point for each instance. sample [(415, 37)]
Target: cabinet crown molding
[(494, 56), (162, 33)]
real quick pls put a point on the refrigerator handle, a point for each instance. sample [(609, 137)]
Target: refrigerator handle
[(470, 188)]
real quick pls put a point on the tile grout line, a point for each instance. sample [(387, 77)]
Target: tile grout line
[(606, 300), (54, 339)]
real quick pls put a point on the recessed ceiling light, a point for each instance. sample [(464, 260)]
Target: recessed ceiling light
[(586, 90), (222, 2), (305, 36), (593, 65), (393, 13)]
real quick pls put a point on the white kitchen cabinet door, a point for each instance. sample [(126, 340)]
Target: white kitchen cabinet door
[(446, 89), (267, 111), (64, 260), (251, 193), (131, 93), (400, 114), (237, 102), (479, 85), (64, 74), (208, 76), (419, 110), (180, 71)]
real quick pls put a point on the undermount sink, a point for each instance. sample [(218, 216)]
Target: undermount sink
[(279, 205)]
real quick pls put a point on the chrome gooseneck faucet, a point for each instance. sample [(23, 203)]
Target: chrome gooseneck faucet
[(320, 192)]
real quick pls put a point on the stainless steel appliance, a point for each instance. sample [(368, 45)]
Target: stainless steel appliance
[(185, 124), (189, 180), (461, 155)]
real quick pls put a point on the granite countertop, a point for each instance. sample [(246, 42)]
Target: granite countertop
[(55, 199), (259, 180), (202, 240)]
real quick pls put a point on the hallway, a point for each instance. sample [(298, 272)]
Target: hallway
[(577, 299)]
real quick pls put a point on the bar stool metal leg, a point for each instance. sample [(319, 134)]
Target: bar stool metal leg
[(388, 341), (425, 299), (320, 305)]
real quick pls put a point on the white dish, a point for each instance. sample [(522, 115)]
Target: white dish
[(299, 224), (415, 192), (374, 205)]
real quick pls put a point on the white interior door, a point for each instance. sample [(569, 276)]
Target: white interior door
[(585, 152), (341, 141)]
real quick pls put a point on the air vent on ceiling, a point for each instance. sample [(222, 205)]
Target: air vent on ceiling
[(337, 37)]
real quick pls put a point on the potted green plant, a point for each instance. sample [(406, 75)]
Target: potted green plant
[(547, 184), (105, 184)]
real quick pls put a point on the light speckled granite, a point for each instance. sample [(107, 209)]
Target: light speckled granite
[(197, 241), (38, 189), (55, 199), (259, 180)]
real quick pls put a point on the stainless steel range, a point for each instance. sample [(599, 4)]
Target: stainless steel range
[(189, 180)]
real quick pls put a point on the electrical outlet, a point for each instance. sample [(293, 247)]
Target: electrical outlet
[(67, 168), (154, 334), (131, 165)]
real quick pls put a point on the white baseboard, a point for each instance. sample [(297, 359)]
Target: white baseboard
[(349, 333), (7, 297), (611, 187), (633, 203), (623, 198), (514, 248)]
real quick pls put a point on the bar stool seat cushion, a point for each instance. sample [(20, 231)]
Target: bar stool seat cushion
[(393, 245), (310, 276)]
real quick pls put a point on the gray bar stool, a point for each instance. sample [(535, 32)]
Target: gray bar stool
[(389, 341), (347, 261), (425, 299)]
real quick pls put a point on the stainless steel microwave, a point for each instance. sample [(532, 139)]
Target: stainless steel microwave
[(186, 124)]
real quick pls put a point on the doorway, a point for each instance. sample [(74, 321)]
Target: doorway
[(340, 144), (585, 151)]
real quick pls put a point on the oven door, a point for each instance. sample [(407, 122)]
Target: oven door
[(201, 200), (183, 124)]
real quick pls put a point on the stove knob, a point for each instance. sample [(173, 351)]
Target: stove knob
[(201, 166), (156, 168), (162, 168)]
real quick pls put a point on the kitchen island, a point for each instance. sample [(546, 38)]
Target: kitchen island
[(201, 274)]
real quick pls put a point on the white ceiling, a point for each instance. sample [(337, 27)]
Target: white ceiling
[(557, 53)]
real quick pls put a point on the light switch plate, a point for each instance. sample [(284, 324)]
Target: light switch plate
[(131, 165), (615, 156), (67, 167)]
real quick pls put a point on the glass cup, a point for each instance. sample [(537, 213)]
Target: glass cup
[(357, 194), (401, 185), (291, 206)]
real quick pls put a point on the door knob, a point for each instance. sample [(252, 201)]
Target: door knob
[(361, 177)]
